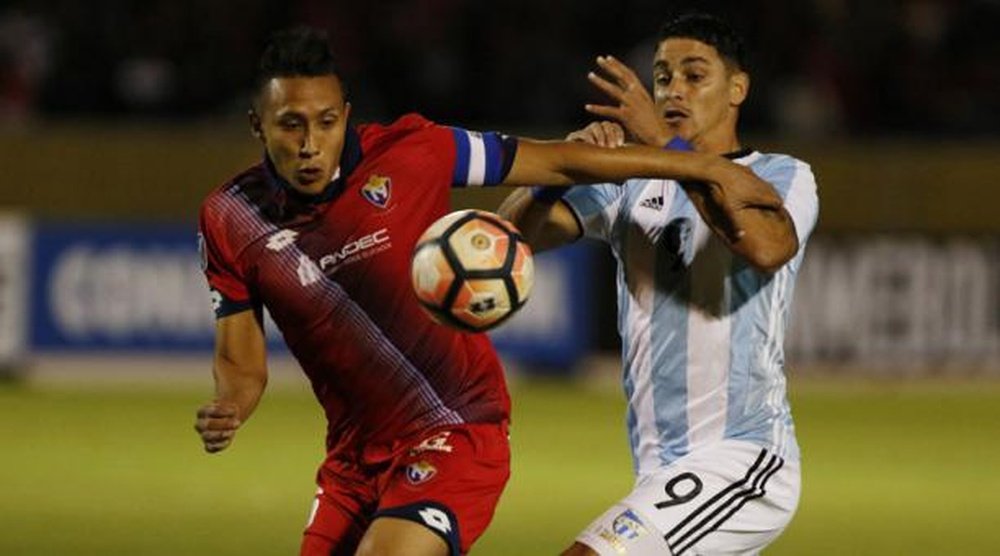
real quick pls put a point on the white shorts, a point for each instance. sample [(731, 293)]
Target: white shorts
[(732, 497)]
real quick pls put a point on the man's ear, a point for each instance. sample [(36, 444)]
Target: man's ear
[(739, 87), (255, 125)]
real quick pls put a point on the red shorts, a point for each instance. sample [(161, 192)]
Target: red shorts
[(449, 481)]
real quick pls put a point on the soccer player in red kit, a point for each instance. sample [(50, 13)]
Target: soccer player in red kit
[(320, 233)]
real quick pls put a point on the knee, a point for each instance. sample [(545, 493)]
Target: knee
[(579, 549)]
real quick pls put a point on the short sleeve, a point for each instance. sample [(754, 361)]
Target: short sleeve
[(481, 158), (230, 293), (596, 208), (795, 183), (801, 201)]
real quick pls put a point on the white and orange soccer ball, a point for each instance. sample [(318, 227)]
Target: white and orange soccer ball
[(472, 270)]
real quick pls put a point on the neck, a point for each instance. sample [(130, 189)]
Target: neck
[(720, 139), (717, 144)]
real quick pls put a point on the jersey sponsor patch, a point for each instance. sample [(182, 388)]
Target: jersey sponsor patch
[(359, 249), (377, 191)]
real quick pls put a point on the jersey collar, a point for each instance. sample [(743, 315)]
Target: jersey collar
[(747, 151), (349, 160)]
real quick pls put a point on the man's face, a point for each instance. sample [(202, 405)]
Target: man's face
[(302, 122), (695, 92)]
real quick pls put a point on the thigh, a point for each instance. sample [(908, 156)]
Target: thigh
[(730, 498), (340, 512), (450, 482), (390, 536)]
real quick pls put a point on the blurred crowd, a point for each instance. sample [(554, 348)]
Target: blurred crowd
[(820, 67)]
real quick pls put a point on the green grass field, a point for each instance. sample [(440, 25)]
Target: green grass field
[(889, 468)]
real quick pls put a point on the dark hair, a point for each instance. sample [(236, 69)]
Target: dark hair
[(296, 52), (711, 30)]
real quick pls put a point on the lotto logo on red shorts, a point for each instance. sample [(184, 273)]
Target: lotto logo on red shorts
[(420, 472)]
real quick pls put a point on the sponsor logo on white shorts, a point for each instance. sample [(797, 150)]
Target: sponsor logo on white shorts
[(628, 525)]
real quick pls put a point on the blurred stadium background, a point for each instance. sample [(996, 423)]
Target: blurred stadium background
[(117, 117)]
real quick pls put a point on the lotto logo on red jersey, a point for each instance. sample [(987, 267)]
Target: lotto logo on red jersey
[(281, 239)]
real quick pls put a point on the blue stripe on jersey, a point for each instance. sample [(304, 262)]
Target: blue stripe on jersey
[(668, 339), (780, 176), (591, 210), (746, 326), (460, 174), (494, 158)]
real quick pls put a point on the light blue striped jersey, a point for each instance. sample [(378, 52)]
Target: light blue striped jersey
[(702, 331)]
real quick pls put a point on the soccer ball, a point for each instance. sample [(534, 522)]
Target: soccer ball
[(472, 270)]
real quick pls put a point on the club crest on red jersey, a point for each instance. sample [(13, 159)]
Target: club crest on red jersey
[(420, 472), (377, 190)]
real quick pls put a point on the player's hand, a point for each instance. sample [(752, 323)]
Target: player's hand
[(635, 110), (216, 424), (603, 134)]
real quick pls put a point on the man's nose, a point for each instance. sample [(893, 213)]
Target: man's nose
[(308, 148), (675, 89)]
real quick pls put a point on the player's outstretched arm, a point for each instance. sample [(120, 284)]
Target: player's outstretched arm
[(744, 210), (568, 163), (240, 371), (550, 224), (747, 213)]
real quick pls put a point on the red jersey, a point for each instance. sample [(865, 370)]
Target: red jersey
[(333, 271)]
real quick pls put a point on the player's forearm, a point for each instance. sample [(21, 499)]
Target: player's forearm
[(543, 224), (241, 385), (566, 163), (515, 207), (529, 217), (748, 215)]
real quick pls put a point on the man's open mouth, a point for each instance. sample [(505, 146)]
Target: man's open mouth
[(674, 115)]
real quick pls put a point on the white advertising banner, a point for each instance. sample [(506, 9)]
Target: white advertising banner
[(14, 269), (911, 303)]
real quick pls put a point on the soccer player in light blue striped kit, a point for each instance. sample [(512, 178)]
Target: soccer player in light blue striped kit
[(705, 279)]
